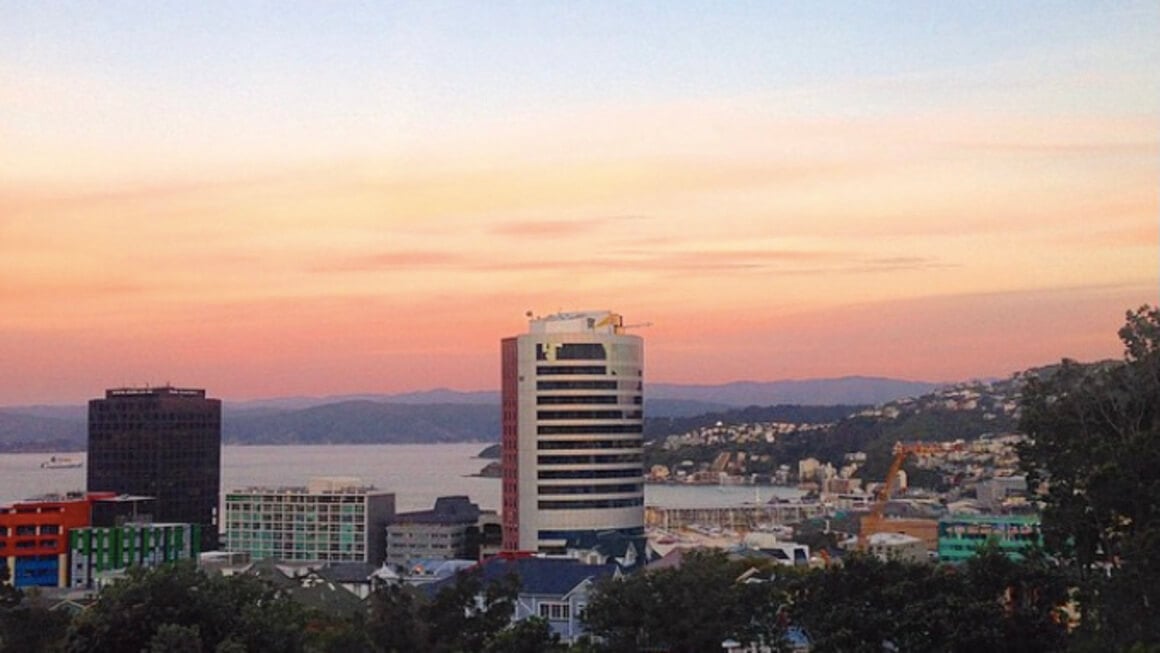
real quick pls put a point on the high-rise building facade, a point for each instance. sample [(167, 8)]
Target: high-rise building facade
[(164, 443), (572, 402), (334, 519)]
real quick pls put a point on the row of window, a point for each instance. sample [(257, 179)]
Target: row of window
[(621, 488), (553, 400), (571, 370), (588, 429), (576, 385), (571, 352), (597, 504), (562, 474), (31, 544), (546, 415), (555, 611), (624, 443), (589, 459), (30, 529)]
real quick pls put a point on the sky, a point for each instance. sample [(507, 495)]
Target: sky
[(316, 198)]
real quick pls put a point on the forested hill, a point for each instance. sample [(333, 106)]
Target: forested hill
[(450, 416), (965, 411), (660, 427)]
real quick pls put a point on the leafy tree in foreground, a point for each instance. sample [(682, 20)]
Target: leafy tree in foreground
[(693, 607), (27, 625), (157, 608), (469, 615), (991, 604), (1094, 455), (531, 635)]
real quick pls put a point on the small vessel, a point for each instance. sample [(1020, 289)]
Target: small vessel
[(61, 462)]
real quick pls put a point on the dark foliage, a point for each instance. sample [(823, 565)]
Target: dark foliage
[(158, 607), (990, 604), (1094, 455)]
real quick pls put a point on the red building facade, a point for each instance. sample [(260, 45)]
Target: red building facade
[(34, 536)]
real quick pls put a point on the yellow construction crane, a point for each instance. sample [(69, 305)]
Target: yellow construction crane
[(901, 451)]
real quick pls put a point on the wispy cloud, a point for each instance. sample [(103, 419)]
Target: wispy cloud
[(555, 228)]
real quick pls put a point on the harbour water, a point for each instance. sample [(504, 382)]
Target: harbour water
[(416, 473)]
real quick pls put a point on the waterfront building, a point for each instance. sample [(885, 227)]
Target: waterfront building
[(960, 536), (98, 553), (330, 519), (453, 529), (572, 423), (163, 443)]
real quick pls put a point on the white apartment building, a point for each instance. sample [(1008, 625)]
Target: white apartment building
[(331, 519), (572, 395)]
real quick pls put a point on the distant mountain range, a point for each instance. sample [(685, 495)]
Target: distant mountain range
[(439, 415)]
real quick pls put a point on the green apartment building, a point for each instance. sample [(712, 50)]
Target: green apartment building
[(960, 536), (98, 552)]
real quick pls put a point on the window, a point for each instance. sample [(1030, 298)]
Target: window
[(589, 429), (554, 611), (619, 488), (561, 370), (623, 443), (590, 505), (631, 472), (589, 460), (581, 414), (581, 352), (576, 385), (577, 400)]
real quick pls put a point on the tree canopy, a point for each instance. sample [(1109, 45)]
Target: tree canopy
[(179, 605), (1094, 456)]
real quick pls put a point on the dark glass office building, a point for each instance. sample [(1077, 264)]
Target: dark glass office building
[(164, 443)]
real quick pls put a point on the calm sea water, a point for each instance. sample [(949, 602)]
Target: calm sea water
[(416, 473)]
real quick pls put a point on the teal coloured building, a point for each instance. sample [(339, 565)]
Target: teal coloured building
[(960, 536), (99, 552)]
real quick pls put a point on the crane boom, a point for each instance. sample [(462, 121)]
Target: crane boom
[(901, 451)]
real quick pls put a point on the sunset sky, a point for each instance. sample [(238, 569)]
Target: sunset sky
[(316, 198)]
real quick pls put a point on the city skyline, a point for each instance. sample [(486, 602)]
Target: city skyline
[(333, 199)]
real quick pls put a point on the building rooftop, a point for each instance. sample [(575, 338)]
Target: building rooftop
[(891, 539), (319, 485), (161, 391), (447, 510), (605, 322), (549, 576)]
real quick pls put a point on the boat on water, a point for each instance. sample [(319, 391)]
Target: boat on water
[(61, 462)]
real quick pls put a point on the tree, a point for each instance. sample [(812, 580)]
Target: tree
[(1093, 455), (531, 635), (693, 607), (466, 615), (990, 604), (27, 624), (154, 607), (172, 638), (395, 624)]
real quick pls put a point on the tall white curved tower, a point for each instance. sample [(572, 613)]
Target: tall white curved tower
[(572, 396)]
